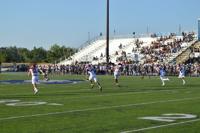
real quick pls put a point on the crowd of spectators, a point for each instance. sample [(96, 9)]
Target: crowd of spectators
[(161, 49), (125, 69)]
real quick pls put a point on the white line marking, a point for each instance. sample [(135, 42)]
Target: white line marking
[(100, 95), (166, 125), (55, 104), (120, 94), (98, 108)]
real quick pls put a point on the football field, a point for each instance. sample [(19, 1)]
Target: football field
[(138, 105)]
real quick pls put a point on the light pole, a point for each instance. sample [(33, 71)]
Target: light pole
[(89, 37), (198, 29), (107, 34), (147, 30), (179, 29)]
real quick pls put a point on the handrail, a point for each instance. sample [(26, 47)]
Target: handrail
[(180, 52), (89, 42)]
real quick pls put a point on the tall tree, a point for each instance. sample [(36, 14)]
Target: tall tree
[(2, 57), (55, 53), (38, 55)]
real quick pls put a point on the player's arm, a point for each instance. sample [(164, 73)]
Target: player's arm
[(29, 72), (87, 75), (158, 70)]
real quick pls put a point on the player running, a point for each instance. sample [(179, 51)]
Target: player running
[(162, 75), (34, 72), (44, 71), (92, 77), (182, 74)]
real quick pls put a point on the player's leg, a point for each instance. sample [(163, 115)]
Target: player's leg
[(166, 79), (163, 81), (96, 81), (35, 88), (91, 81), (116, 79), (34, 83), (183, 80)]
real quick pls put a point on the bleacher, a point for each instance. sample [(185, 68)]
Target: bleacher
[(146, 49)]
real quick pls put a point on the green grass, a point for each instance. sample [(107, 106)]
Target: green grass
[(86, 110)]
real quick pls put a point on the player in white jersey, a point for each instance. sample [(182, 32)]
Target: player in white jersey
[(92, 77), (34, 72), (182, 74), (116, 75)]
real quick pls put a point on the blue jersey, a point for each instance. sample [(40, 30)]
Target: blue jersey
[(182, 70), (35, 71), (162, 72), (91, 72)]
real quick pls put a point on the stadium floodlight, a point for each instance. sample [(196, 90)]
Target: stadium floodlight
[(107, 33)]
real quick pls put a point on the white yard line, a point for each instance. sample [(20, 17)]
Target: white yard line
[(160, 126), (98, 108), (102, 95), (121, 94)]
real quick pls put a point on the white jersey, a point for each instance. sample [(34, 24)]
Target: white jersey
[(35, 75), (181, 73), (116, 73)]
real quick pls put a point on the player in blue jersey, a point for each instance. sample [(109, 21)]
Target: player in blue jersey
[(92, 77), (162, 75), (182, 74)]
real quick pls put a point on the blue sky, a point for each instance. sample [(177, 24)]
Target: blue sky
[(28, 23)]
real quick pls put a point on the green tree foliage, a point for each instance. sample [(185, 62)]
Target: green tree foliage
[(54, 54), (38, 55), (12, 54), (25, 55), (2, 55), (57, 53)]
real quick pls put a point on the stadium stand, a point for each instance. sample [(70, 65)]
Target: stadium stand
[(163, 49)]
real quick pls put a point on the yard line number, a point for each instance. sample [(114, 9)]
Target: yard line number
[(169, 117), (12, 102)]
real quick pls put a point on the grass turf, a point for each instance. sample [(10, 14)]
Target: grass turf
[(86, 110)]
